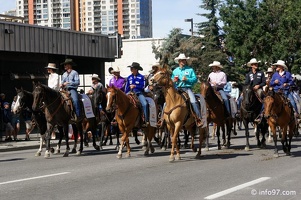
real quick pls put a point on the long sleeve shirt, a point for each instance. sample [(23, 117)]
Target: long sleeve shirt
[(286, 77), (53, 81), (119, 83), (257, 78), (234, 93), (186, 71), (219, 77), (72, 78), (137, 80)]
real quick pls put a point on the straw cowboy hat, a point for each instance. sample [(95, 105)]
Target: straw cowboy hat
[(136, 66), (181, 57), (95, 76), (69, 61), (252, 61), (115, 69), (51, 66), (270, 70), (280, 63), (217, 64), (156, 64)]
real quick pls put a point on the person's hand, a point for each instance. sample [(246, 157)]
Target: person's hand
[(184, 78), (276, 81), (132, 86), (256, 87), (285, 84)]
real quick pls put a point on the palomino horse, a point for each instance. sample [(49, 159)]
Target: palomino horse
[(217, 114), (249, 110), (177, 114), (279, 112), (128, 117), (57, 112)]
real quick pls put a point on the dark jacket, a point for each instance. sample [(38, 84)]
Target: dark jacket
[(255, 79), (7, 115)]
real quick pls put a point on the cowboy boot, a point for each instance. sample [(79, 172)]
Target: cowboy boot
[(198, 119)]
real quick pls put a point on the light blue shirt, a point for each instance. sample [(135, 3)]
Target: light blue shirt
[(186, 71), (72, 78)]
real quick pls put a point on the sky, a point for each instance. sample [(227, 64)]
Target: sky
[(167, 14)]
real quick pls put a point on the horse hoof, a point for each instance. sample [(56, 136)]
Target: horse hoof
[(276, 155), (171, 158), (73, 151), (152, 149), (163, 148), (128, 155), (247, 148), (96, 147), (206, 148), (219, 147), (178, 157), (119, 156), (66, 154), (111, 143), (47, 155), (79, 153), (52, 150), (38, 154), (57, 151), (137, 141), (270, 140), (212, 138), (143, 147), (86, 144), (146, 153), (198, 156)]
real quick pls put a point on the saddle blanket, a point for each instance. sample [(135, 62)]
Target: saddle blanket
[(87, 106), (233, 106), (152, 112), (297, 100)]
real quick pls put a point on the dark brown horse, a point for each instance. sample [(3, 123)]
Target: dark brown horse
[(279, 112), (217, 114), (128, 117)]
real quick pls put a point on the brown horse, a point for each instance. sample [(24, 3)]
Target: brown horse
[(177, 113), (279, 112), (217, 114), (128, 117)]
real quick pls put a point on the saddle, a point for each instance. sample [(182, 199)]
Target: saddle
[(137, 104), (68, 99)]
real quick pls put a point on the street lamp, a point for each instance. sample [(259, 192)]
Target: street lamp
[(191, 21)]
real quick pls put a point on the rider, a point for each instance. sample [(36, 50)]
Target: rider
[(117, 80), (218, 79), (256, 79), (184, 78), (283, 80), (95, 84), (53, 78), (70, 81), (136, 83)]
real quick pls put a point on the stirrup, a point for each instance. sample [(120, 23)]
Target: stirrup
[(258, 119), (198, 122)]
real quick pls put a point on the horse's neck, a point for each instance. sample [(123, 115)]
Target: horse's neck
[(122, 100), (172, 96), (53, 96), (29, 99)]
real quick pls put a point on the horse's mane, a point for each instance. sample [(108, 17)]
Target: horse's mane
[(49, 90)]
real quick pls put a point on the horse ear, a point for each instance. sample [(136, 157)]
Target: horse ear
[(107, 86)]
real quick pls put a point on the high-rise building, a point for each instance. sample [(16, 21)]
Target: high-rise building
[(130, 18)]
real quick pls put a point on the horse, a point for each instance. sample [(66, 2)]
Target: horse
[(217, 114), (279, 112), (103, 118), (249, 110), (57, 112), (177, 113), (128, 117)]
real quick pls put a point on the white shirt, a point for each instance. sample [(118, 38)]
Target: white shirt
[(219, 78), (53, 81)]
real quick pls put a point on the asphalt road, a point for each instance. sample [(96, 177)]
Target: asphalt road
[(220, 174)]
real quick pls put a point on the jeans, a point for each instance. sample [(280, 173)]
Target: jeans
[(75, 101), (193, 101), (287, 94), (144, 105), (226, 100)]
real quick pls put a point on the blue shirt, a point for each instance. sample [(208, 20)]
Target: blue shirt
[(72, 78), (228, 88), (285, 78), (137, 80), (184, 71)]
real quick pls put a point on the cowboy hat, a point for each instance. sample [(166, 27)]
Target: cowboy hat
[(252, 61), (136, 66), (95, 76), (156, 64), (280, 63), (5, 103), (51, 66), (181, 57), (115, 69), (68, 61), (216, 63), (270, 70)]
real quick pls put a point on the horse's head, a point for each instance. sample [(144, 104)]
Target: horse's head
[(98, 97), (19, 103), (38, 96), (161, 78), (111, 98), (268, 103), (204, 88), (248, 95)]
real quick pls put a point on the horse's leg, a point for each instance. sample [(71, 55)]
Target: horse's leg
[(218, 139), (117, 132), (247, 134), (234, 126), (213, 131), (192, 133), (270, 135), (75, 134), (61, 135), (202, 135), (229, 130), (290, 136), (135, 133), (42, 137), (80, 131), (273, 129), (65, 128), (186, 139), (207, 138), (47, 141), (224, 134), (284, 140), (102, 127)]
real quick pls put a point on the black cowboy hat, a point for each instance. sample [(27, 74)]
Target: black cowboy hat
[(68, 61), (136, 66)]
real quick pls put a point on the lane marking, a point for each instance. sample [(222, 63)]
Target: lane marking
[(33, 178), (236, 188)]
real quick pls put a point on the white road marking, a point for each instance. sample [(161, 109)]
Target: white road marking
[(37, 177), (236, 188)]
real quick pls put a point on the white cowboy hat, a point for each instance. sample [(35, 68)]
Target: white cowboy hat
[(280, 63), (156, 64), (181, 57), (216, 63), (51, 66), (270, 70), (252, 61), (95, 76), (115, 69)]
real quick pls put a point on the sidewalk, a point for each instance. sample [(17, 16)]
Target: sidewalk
[(21, 144)]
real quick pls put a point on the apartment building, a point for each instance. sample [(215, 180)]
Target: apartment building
[(130, 18)]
